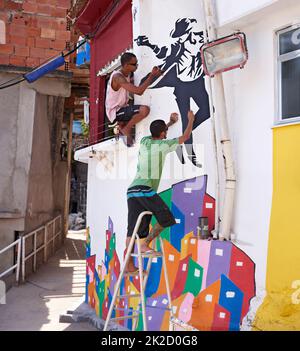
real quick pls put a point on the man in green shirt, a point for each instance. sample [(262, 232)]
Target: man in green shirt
[(141, 194)]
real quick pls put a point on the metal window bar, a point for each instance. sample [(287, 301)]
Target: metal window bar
[(18, 263), (56, 232)]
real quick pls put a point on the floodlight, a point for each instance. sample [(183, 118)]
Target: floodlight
[(224, 54)]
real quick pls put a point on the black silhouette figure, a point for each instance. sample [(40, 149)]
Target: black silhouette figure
[(183, 70)]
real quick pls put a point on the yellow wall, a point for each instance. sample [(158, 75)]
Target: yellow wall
[(280, 309)]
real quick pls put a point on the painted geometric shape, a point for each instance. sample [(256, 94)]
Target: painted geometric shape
[(103, 271), (189, 246), (110, 225), (221, 320), (117, 266), (97, 281), (203, 258), (219, 260), (87, 282), (181, 277), (155, 310), (108, 235), (204, 306), (112, 245), (91, 289), (165, 234), (113, 282), (188, 196), (194, 278), (106, 259), (177, 230), (172, 258), (90, 267), (101, 296), (209, 208), (154, 276), (87, 250), (231, 298), (242, 266), (185, 311)]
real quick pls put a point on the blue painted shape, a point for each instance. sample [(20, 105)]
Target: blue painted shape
[(177, 230), (129, 321), (122, 286), (106, 260), (88, 250), (231, 298), (219, 261), (87, 282), (97, 281), (154, 277), (113, 315)]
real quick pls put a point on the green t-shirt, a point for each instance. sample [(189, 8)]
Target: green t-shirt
[(152, 155)]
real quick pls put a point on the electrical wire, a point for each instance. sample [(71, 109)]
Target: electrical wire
[(21, 78), (12, 84)]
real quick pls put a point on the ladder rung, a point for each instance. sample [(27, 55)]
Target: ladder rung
[(128, 295), (159, 254), (132, 274), (124, 317)]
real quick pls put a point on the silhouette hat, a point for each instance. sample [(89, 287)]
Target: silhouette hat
[(182, 26)]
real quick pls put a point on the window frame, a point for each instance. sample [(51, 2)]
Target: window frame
[(279, 60)]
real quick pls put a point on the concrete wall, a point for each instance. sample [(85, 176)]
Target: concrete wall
[(31, 190)]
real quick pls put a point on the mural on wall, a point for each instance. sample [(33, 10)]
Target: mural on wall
[(183, 71), (211, 282)]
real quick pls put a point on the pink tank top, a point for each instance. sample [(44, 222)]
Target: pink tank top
[(115, 99)]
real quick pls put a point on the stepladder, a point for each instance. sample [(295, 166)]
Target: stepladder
[(143, 278)]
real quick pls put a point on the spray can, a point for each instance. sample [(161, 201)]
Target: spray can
[(202, 228)]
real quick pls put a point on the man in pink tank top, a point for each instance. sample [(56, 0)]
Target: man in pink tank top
[(119, 86)]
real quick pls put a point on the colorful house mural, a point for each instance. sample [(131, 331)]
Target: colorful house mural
[(251, 282), (211, 282)]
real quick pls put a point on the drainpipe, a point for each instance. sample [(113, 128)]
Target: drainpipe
[(226, 145), (216, 230)]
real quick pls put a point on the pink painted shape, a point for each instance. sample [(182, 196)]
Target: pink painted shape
[(103, 271), (185, 311), (203, 258)]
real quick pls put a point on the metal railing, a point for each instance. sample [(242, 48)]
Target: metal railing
[(18, 263), (49, 237)]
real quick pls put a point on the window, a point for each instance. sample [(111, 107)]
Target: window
[(289, 74)]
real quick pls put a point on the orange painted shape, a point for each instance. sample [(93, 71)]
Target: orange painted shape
[(172, 257), (204, 307), (185, 244)]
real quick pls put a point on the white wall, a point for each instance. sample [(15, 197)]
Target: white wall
[(250, 97), (230, 10)]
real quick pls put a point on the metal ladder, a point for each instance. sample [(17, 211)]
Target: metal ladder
[(143, 280)]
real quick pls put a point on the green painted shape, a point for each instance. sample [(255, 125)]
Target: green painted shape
[(101, 296), (112, 246), (140, 325), (166, 196), (194, 278)]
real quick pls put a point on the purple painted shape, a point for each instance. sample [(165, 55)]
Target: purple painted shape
[(110, 225), (219, 261), (155, 315), (112, 282), (188, 196)]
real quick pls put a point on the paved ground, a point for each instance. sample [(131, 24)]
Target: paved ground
[(57, 287)]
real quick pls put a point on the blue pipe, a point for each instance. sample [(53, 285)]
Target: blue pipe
[(44, 69)]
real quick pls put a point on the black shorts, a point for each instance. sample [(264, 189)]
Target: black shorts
[(143, 198), (125, 114)]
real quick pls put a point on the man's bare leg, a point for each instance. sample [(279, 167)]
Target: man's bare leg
[(143, 113), (130, 267), (155, 231)]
